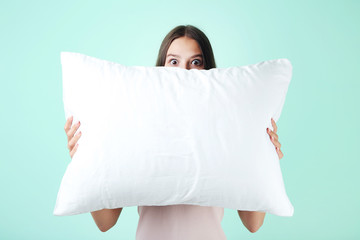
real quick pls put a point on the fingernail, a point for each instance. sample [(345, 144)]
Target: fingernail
[(272, 138)]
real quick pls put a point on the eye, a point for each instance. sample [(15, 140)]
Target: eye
[(173, 61), (197, 62)]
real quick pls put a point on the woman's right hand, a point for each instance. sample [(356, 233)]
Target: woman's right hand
[(72, 140), (104, 218)]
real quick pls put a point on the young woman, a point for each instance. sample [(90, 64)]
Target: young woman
[(185, 47)]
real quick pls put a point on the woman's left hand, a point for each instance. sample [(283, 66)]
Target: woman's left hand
[(275, 138)]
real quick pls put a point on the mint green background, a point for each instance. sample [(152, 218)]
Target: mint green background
[(318, 128)]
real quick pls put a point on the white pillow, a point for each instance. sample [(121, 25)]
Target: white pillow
[(163, 136)]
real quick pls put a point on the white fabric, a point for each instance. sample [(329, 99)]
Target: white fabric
[(163, 136)]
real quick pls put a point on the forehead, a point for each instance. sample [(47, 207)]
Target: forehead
[(184, 47)]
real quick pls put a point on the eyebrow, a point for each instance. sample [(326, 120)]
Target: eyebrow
[(174, 55)]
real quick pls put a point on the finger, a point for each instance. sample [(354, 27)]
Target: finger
[(71, 132), (275, 139), (74, 140), (272, 134), (274, 125), (280, 154), (68, 124), (72, 152), (276, 143)]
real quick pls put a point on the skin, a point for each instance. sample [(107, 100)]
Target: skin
[(184, 53)]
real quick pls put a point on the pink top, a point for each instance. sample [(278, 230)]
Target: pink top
[(179, 222)]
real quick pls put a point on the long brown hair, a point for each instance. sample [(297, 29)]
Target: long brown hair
[(191, 32)]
